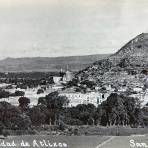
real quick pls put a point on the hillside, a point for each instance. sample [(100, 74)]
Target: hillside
[(134, 53), (124, 68), (42, 64)]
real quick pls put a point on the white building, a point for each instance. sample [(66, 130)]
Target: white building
[(141, 95), (68, 76), (76, 98), (57, 79)]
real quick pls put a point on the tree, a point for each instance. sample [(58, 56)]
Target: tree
[(40, 91), (54, 104), (89, 84), (4, 94), (23, 103), (42, 101), (51, 81), (18, 93), (12, 118), (37, 115), (86, 113), (121, 110), (134, 111), (73, 82)]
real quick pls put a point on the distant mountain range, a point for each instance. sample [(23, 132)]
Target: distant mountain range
[(41, 64)]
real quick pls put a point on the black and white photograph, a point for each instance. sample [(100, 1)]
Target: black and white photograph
[(73, 73)]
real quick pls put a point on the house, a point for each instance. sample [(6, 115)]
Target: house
[(57, 79)]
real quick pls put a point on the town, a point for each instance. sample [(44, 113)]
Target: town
[(43, 86), (40, 90)]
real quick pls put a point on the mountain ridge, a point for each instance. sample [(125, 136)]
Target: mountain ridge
[(31, 64)]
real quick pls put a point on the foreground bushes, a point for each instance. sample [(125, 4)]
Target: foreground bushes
[(12, 118)]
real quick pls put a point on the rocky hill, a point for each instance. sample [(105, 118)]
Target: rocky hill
[(134, 53), (125, 66), (42, 64)]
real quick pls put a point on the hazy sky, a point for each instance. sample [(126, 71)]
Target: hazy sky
[(69, 27)]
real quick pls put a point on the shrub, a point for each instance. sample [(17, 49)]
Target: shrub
[(4, 94), (40, 91), (18, 93)]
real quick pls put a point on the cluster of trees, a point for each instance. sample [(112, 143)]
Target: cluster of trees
[(82, 114), (53, 104), (12, 118), (25, 82), (116, 110), (25, 75), (47, 111), (120, 110), (7, 94), (52, 109), (4, 94)]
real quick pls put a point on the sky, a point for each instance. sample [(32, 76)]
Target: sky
[(51, 28)]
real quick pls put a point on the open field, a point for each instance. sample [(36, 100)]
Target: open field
[(81, 141), (124, 142), (112, 131), (71, 141)]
